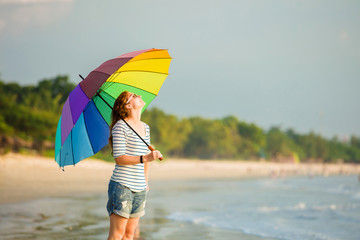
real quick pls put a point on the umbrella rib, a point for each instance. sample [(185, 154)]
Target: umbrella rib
[(132, 87), (118, 72), (123, 120), (97, 94), (141, 71), (130, 70), (61, 160), (149, 50), (144, 59), (106, 85), (92, 148), (72, 149), (153, 50), (111, 76)]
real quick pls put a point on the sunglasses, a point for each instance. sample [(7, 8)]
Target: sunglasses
[(132, 95)]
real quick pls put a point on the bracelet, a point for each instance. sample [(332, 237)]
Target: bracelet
[(141, 159)]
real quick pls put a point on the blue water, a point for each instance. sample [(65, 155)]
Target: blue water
[(294, 208), (288, 208)]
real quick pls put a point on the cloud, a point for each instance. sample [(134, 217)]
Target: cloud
[(19, 15)]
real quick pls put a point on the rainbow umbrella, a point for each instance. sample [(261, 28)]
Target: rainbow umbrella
[(83, 127)]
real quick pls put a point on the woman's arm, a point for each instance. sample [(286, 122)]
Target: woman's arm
[(127, 160), (132, 160), (146, 169)]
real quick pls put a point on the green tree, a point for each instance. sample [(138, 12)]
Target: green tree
[(338, 152), (355, 142), (32, 112), (210, 139), (168, 133), (279, 145), (313, 147)]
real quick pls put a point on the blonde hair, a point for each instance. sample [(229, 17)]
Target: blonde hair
[(119, 111)]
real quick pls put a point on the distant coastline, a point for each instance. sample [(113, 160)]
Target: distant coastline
[(24, 177), (29, 120)]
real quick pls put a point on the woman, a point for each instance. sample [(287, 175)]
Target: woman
[(128, 185)]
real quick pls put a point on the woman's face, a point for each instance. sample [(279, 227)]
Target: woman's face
[(135, 101)]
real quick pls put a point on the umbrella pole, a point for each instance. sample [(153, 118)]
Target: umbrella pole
[(149, 147)]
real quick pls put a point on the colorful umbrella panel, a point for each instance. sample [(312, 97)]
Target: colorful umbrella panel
[(83, 127)]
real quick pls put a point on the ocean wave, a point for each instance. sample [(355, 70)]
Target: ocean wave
[(270, 209), (316, 209), (270, 228), (192, 218)]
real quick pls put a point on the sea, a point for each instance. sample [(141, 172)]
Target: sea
[(288, 208)]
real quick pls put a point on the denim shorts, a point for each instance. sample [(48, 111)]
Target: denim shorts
[(124, 202)]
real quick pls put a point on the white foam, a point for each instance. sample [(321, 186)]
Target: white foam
[(299, 206), (267, 209)]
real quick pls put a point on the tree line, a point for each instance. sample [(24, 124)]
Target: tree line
[(29, 116), (230, 138)]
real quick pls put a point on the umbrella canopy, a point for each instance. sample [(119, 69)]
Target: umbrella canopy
[(83, 127)]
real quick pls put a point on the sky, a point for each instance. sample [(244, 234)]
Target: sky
[(291, 64)]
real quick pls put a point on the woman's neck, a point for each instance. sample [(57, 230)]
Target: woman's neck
[(134, 117)]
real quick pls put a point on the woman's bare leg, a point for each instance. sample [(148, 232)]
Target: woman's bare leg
[(130, 228), (117, 227)]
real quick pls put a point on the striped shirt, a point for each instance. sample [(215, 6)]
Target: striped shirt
[(126, 142)]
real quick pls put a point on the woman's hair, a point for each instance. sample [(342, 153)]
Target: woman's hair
[(119, 111)]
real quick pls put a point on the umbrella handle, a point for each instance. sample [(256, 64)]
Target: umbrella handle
[(153, 149)]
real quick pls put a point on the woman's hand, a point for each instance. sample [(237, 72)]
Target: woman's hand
[(152, 156)]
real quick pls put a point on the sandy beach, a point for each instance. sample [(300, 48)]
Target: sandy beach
[(24, 177)]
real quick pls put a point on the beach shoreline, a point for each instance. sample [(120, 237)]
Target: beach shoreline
[(24, 177)]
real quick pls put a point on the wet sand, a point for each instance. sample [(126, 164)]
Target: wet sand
[(24, 177)]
